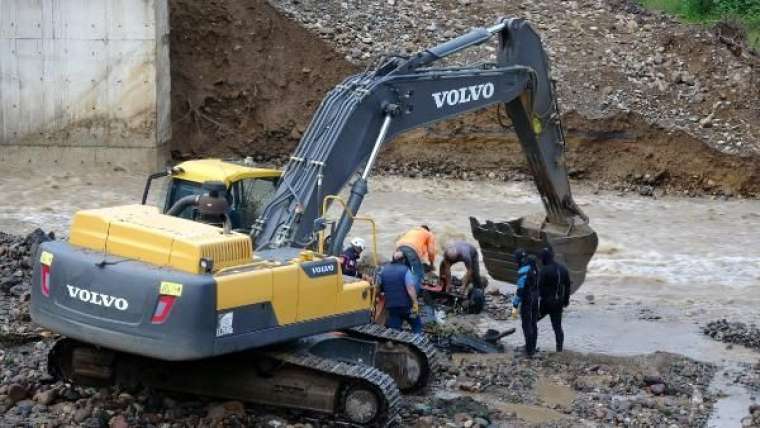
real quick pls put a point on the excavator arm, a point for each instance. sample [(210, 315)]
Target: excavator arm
[(369, 109)]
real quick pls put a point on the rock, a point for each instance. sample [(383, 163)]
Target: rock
[(229, 408), (734, 332), (274, 421), (118, 421), (754, 408), (16, 392), (70, 394), (653, 379), (657, 389), (25, 407), (19, 290), (461, 418), (295, 134), (82, 413), (126, 397), (422, 408), (707, 122), (470, 386), (590, 298), (481, 422), (425, 422), (46, 397)]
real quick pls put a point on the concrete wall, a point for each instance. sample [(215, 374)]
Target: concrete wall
[(84, 83)]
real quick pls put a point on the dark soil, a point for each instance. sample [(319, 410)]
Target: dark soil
[(245, 79)]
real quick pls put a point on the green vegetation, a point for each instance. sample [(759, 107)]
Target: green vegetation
[(746, 13)]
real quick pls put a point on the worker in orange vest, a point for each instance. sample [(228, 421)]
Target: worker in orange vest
[(418, 247)]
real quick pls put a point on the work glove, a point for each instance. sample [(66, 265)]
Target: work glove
[(415, 310), (515, 313)]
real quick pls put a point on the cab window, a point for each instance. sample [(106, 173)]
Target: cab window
[(250, 197), (179, 189)]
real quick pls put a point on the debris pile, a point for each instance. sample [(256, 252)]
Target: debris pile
[(753, 420), (16, 260), (734, 332), (471, 390), (16, 264), (654, 390), (462, 411)]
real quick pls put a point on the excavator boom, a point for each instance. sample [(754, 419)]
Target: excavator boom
[(369, 109)]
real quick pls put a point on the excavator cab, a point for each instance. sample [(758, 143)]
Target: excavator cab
[(248, 188)]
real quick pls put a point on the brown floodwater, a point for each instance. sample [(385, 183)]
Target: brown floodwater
[(663, 265)]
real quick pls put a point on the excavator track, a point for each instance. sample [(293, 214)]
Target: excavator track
[(363, 378), (419, 360), (355, 394)]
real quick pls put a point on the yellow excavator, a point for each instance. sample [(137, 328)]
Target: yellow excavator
[(233, 287)]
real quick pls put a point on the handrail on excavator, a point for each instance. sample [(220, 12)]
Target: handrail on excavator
[(372, 223)]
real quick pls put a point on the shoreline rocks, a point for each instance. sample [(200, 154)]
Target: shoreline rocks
[(739, 333)]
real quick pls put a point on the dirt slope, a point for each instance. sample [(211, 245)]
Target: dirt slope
[(242, 76), (638, 89)]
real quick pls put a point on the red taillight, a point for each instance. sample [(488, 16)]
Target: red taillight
[(163, 308), (45, 280)]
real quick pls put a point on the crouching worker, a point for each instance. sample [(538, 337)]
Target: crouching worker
[(461, 252), (399, 286)]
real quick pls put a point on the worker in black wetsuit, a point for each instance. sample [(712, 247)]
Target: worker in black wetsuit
[(526, 298), (554, 285)]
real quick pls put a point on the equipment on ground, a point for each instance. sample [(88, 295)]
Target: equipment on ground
[(488, 344), (455, 297), (168, 301)]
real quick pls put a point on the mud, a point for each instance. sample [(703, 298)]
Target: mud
[(617, 153), (245, 79)]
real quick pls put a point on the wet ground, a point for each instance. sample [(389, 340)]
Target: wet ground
[(664, 266)]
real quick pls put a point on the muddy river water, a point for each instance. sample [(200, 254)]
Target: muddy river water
[(663, 267)]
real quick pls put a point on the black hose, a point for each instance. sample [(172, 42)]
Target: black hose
[(182, 203)]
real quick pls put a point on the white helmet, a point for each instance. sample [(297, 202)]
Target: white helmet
[(358, 242)]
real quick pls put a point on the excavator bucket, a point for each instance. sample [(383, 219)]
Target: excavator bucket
[(573, 246)]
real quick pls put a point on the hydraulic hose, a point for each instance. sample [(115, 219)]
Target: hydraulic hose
[(182, 203)]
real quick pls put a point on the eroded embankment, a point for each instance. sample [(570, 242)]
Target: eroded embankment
[(621, 152), (246, 79)]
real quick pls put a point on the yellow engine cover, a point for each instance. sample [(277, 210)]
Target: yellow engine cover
[(140, 232)]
